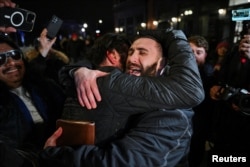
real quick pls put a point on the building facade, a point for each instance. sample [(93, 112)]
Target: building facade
[(211, 19)]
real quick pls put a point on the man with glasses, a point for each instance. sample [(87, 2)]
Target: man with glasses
[(29, 106), (14, 54)]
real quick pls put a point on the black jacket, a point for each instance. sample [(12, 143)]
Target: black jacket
[(17, 130), (231, 127), (160, 135)]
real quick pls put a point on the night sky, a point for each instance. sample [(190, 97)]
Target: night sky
[(89, 11)]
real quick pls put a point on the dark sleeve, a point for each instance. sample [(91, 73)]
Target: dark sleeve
[(142, 146), (37, 66), (182, 88), (226, 66), (9, 156), (118, 153)]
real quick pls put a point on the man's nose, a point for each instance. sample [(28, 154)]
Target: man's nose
[(9, 61), (133, 58)]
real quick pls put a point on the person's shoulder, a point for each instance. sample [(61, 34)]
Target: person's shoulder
[(108, 69)]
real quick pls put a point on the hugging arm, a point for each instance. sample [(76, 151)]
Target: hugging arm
[(182, 88)]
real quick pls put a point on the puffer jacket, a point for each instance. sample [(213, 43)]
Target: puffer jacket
[(160, 134)]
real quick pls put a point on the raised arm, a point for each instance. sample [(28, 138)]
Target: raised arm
[(38, 64)]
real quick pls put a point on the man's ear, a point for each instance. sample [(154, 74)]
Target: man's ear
[(160, 65), (112, 57)]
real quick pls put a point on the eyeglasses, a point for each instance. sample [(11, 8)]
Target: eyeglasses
[(14, 54)]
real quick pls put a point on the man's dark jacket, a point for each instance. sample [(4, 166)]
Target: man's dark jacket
[(18, 133), (160, 135)]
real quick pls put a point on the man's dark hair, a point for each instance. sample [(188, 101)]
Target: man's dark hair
[(108, 42), (199, 41), (164, 25), (156, 35), (6, 39)]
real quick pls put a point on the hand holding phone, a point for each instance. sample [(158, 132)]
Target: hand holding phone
[(43, 44), (18, 18)]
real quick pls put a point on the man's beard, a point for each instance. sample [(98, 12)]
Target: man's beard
[(150, 70), (147, 71)]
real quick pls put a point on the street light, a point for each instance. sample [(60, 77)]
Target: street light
[(174, 19), (119, 29), (143, 25), (188, 12), (222, 12), (85, 25), (155, 23)]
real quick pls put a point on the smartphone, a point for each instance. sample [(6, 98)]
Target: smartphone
[(19, 18), (54, 26)]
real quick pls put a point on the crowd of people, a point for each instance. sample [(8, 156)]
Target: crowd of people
[(161, 99)]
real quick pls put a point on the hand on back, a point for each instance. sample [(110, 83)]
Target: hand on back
[(87, 89)]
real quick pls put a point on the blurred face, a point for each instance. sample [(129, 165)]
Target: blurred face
[(11, 71), (200, 54), (144, 58), (221, 51)]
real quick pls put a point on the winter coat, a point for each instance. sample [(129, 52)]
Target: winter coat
[(157, 111), (17, 129), (231, 127)]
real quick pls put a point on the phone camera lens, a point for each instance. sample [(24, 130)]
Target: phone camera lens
[(30, 18), (17, 19)]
